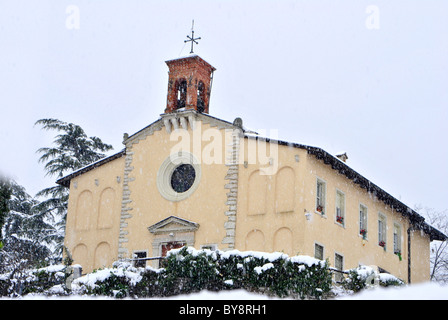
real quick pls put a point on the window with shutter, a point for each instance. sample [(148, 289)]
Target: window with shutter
[(397, 239), (320, 196), (382, 230), (363, 221), (340, 207), (339, 265), (318, 251)]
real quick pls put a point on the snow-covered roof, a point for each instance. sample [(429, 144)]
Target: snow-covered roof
[(190, 56), (65, 181), (416, 220)]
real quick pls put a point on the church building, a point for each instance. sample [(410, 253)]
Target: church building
[(192, 179)]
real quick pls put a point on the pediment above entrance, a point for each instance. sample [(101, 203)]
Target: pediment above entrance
[(173, 224)]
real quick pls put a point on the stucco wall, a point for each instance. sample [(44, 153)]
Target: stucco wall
[(205, 206), (270, 200), (278, 212), (265, 202), (94, 214), (420, 255)]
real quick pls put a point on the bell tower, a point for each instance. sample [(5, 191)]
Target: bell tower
[(189, 84)]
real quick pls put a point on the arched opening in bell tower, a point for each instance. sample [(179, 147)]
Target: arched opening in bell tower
[(181, 93), (201, 97)]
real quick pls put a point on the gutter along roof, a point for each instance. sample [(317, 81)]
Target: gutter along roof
[(417, 221), (65, 181)]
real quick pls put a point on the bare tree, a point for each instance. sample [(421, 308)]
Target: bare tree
[(439, 249)]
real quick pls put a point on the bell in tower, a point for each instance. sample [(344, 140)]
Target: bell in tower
[(189, 84)]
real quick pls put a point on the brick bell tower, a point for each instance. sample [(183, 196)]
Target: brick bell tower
[(189, 84)]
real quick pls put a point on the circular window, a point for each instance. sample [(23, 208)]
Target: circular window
[(178, 176), (183, 177)]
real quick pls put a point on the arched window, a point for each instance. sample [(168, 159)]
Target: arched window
[(201, 96), (181, 92)]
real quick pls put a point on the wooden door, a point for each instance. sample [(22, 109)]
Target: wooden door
[(171, 245)]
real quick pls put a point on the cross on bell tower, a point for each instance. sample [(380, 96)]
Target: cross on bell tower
[(190, 82), (192, 39)]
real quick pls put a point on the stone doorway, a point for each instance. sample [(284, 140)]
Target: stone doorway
[(171, 245)]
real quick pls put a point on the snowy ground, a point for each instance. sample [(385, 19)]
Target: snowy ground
[(424, 291)]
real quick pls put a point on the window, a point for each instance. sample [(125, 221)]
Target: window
[(181, 88), (201, 97), (340, 207), (211, 247), (140, 255), (363, 221), (178, 176), (320, 196), (397, 239), (339, 265), (171, 245), (183, 178), (318, 251), (382, 230)]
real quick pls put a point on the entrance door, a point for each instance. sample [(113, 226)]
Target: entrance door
[(171, 245)]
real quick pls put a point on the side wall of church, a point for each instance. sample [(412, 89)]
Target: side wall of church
[(270, 198), (344, 239), (420, 257), (280, 212), (93, 216)]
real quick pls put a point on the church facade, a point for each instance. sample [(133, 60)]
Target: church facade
[(192, 179)]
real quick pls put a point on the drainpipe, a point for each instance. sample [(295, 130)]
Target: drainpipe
[(409, 254)]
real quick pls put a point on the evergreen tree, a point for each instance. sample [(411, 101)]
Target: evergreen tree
[(5, 194), (28, 237), (72, 149)]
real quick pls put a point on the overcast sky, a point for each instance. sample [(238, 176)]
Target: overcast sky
[(366, 77)]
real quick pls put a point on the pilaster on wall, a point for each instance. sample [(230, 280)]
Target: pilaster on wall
[(123, 251), (126, 202), (232, 184)]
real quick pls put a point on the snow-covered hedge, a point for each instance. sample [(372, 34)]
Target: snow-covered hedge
[(189, 270), (272, 273), (365, 276), (122, 280), (44, 280)]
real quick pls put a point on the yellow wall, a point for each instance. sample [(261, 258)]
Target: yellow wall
[(270, 207), (94, 215), (420, 256), (275, 212), (345, 239), (206, 206), (269, 222)]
